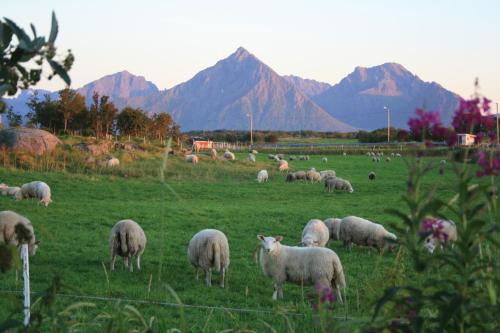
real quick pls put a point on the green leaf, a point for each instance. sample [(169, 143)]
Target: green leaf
[(21, 35), (33, 30), (54, 29), (59, 70), (5, 36)]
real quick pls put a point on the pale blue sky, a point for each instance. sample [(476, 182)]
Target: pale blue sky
[(450, 42)]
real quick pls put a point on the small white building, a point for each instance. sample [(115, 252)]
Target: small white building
[(464, 139)]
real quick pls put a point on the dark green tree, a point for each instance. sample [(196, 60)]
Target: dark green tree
[(70, 104), (131, 121), (102, 115), (45, 113)]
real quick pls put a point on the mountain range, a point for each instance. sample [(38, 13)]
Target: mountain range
[(241, 86)]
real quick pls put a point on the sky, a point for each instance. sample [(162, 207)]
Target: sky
[(168, 42)]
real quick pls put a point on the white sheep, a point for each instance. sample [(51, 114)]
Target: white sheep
[(111, 162), (397, 155), (9, 220), (327, 173), (36, 189), (262, 176), (442, 162), (229, 156), (127, 239), (336, 183), (192, 159), (447, 232), (315, 233), (300, 175), (9, 190), (255, 152), (333, 225), (387, 159), (324, 160), (283, 165), (360, 231), (301, 265), (251, 157), (209, 250), (313, 176)]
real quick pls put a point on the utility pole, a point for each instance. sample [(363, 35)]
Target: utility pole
[(388, 123), (498, 140), (250, 115)]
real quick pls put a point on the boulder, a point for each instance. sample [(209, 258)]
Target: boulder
[(95, 149), (31, 140)]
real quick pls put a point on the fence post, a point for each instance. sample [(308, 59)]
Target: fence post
[(26, 278)]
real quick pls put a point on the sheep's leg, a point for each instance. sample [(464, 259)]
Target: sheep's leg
[(280, 291), (208, 277), (139, 262), (275, 292), (339, 295), (222, 276), (130, 264), (113, 258), (125, 261)]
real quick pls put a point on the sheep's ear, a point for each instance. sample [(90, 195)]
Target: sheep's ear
[(261, 237), (279, 238)]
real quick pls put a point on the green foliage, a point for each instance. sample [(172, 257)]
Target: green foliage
[(131, 121), (21, 61), (380, 135), (15, 120)]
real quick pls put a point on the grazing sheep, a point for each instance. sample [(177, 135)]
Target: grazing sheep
[(209, 249), (392, 154), (335, 183), (301, 265), (213, 154), (333, 225), (300, 175), (307, 158), (111, 162), (283, 165), (359, 231), (398, 155), (447, 233), (371, 175), (327, 173), (192, 159), (290, 177), (315, 233), (442, 162), (127, 240), (9, 221), (302, 158), (255, 152), (262, 176), (324, 160), (271, 157), (36, 189), (344, 153), (251, 157), (387, 159), (313, 176), (229, 156), (9, 190)]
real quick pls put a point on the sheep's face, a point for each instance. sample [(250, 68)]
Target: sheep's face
[(269, 244), (309, 242)]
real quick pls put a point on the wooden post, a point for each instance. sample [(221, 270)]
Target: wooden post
[(26, 278)]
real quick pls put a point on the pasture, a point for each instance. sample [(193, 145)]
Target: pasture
[(74, 232)]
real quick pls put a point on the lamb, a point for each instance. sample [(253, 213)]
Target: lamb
[(359, 231), (333, 225), (262, 176), (327, 173), (300, 265), (36, 189), (315, 233), (283, 165), (9, 190), (229, 156), (251, 157), (127, 240), (213, 154), (313, 176), (324, 160), (192, 159), (442, 232), (336, 183), (209, 250), (371, 175), (9, 222)]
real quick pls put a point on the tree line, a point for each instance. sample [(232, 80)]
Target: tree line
[(70, 114)]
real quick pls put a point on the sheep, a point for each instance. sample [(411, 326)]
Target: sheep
[(213, 154), (374, 159), (251, 157), (327, 173), (290, 177), (324, 160), (307, 158), (271, 157), (209, 250), (371, 175), (300, 175), (344, 153), (111, 162), (359, 231), (280, 156), (333, 225), (398, 155), (313, 176), (442, 162), (9, 222), (192, 159), (36, 189), (368, 154), (292, 158), (387, 159), (9, 190), (446, 229), (262, 176), (302, 158), (392, 154), (283, 165), (336, 183), (255, 152), (127, 239), (229, 156), (315, 233), (301, 265)]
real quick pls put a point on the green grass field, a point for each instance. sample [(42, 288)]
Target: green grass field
[(74, 232), (316, 140)]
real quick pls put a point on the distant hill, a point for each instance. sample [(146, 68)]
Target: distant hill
[(306, 86)]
